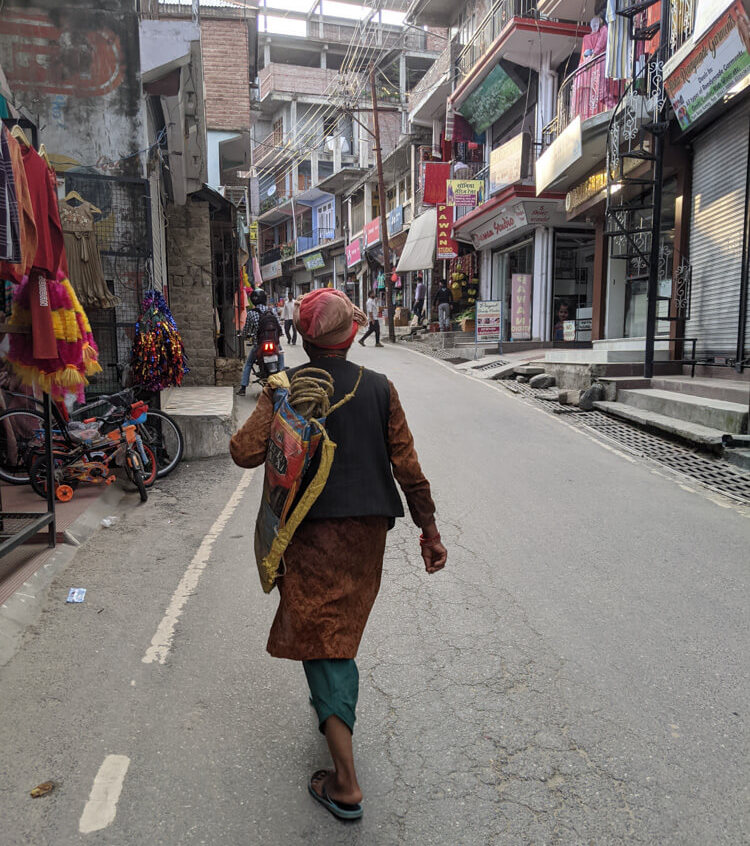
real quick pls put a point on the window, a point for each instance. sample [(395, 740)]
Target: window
[(390, 199), (329, 125), (326, 222), (278, 131)]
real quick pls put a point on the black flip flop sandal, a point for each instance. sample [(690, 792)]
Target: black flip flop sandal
[(341, 810)]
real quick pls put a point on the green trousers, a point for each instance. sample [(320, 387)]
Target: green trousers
[(334, 689)]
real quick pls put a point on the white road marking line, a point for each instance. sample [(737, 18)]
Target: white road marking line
[(101, 808), (161, 643)]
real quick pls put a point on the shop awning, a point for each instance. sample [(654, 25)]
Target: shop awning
[(419, 249)]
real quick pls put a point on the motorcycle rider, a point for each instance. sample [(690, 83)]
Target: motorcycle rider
[(253, 325)]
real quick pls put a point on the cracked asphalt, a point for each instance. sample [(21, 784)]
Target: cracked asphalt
[(577, 675)]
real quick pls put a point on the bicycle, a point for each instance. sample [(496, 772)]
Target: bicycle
[(20, 429)]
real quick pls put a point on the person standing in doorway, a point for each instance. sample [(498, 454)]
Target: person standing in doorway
[(287, 315), (444, 300), (372, 315), (419, 299)]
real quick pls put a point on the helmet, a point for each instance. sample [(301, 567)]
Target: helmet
[(258, 297)]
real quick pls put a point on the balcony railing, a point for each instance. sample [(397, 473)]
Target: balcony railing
[(585, 93), (429, 81), (287, 79), (309, 242), (488, 30)]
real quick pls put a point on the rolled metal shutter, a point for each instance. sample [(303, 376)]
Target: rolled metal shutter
[(717, 222)]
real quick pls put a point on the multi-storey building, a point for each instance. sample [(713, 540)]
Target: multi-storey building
[(312, 141), (543, 89)]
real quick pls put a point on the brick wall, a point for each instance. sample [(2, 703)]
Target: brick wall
[(433, 40), (226, 64), (190, 287)]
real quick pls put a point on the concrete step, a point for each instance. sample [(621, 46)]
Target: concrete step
[(529, 369), (205, 416), (728, 390), (703, 436), (715, 414)]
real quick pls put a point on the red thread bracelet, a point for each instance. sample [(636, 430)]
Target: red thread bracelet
[(435, 539)]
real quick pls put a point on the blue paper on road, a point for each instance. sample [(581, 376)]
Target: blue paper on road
[(76, 595)]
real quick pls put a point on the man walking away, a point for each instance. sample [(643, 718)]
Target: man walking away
[(372, 315), (444, 300), (259, 321), (287, 314), (419, 299)]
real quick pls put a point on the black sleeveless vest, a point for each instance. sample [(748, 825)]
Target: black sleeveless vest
[(361, 482)]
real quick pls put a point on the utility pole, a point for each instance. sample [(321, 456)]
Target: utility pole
[(383, 220)]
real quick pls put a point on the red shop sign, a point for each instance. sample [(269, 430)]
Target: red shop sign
[(447, 248)]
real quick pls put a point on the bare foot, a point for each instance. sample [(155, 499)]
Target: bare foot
[(335, 791)]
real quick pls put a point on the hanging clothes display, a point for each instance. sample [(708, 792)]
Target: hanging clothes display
[(27, 225), (59, 353), (84, 262), (158, 355), (10, 234)]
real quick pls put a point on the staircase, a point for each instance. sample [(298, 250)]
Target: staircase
[(699, 411)]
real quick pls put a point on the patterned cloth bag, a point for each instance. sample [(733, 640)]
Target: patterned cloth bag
[(296, 434)]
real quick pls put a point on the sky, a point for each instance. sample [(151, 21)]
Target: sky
[(352, 11)]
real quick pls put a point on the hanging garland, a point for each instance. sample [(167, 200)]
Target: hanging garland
[(158, 356)]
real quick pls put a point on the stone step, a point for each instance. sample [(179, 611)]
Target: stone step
[(693, 433), (528, 370), (715, 414), (728, 390)]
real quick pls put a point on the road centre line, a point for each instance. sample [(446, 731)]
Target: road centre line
[(161, 643), (101, 808)]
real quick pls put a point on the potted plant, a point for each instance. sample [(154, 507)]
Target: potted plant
[(467, 320)]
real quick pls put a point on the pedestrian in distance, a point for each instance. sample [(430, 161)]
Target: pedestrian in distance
[(287, 314), (444, 300), (371, 308), (260, 320), (333, 564), (419, 299)]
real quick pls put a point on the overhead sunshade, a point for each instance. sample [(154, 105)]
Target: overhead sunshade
[(419, 249)]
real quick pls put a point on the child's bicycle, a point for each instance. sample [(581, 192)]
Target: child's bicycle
[(92, 452)]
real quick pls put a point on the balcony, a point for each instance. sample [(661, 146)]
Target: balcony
[(585, 93), (280, 81), (319, 239), (427, 98), (489, 29)]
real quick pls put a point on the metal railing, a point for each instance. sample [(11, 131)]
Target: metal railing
[(586, 92), (488, 30), (320, 237)]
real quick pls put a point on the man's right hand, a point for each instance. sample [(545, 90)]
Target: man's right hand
[(434, 557)]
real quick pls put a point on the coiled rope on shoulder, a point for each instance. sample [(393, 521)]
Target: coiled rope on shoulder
[(311, 391)]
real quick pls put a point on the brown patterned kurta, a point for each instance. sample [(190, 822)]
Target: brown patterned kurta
[(333, 567)]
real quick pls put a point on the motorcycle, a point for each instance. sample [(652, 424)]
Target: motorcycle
[(266, 362)]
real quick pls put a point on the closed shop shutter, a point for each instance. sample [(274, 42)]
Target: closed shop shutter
[(717, 225)]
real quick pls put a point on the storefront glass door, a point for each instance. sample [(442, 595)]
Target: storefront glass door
[(518, 258), (573, 286)]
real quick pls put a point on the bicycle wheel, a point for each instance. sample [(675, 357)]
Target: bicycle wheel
[(37, 470), (134, 469), (151, 468), (21, 430), (163, 435)]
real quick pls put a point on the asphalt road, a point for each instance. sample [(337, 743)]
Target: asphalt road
[(577, 674)]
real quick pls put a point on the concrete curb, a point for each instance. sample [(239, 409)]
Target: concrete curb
[(24, 608)]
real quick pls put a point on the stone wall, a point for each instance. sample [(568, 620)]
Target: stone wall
[(190, 286)]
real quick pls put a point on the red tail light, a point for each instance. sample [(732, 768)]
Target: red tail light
[(269, 347)]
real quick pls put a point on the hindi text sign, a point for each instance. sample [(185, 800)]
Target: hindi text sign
[(520, 307)]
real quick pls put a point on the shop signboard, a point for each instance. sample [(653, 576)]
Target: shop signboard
[(371, 232), (314, 261), (396, 220), (447, 248), (271, 271), (496, 94), (717, 63), (509, 163), (563, 152), (569, 330), (464, 192), (353, 252), (507, 220), (252, 233), (520, 307), (488, 322)]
